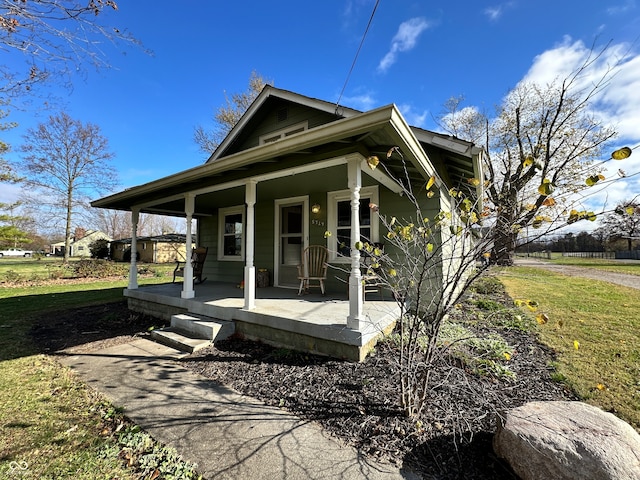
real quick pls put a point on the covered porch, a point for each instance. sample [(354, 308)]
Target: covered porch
[(311, 322)]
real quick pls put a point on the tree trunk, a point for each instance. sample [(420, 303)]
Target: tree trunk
[(67, 228), (504, 242)]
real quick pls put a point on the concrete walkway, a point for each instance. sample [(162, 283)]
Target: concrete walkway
[(229, 436)]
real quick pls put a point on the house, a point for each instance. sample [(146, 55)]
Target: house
[(165, 248), (292, 169), (80, 242)]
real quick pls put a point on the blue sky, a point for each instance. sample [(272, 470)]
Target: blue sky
[(417, 54)]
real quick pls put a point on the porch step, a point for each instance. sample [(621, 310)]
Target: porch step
[(190, 333)]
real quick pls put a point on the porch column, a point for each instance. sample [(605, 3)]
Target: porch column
[(187, 285), (249, 268), (133, 267), (354, 320)]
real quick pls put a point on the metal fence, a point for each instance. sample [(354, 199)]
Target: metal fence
[(590, 254)]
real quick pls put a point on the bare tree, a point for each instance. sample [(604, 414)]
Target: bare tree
[(64, 163), (623, 223), (544, 148), (226, 116), (429, 261), (55, 38)]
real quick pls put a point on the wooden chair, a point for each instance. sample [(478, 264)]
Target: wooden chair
[(372, 280), (313, 267), (198, 256)]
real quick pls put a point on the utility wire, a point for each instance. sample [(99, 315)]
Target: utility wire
[(355, 58)]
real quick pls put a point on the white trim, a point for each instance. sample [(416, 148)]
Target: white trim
[(222, 213), (283, 133), (278, 204), (332, 218)]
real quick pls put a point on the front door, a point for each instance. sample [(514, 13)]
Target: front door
[(292, 238)]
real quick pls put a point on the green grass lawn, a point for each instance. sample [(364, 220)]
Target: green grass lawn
[(52, 426), (595, 329)]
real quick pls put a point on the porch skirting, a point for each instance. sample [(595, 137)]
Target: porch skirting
[(309, 323)]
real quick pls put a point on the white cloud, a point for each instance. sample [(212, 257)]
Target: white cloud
[(404, 40), (494, 13), (415, 119), (363, 102), (9, 193), (622, 7)]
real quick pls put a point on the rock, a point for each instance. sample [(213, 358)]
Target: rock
[(567, 440)]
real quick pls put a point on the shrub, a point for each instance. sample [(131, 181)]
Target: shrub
[(99, 248), (92, 268)]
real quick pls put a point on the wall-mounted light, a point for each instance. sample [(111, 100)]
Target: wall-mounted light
[(315, 208)]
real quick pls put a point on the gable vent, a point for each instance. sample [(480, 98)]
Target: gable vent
[(282, 114)]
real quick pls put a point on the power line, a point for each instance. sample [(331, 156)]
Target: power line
[(355, 58)]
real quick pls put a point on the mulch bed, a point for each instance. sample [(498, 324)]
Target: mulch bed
[(356, 402)]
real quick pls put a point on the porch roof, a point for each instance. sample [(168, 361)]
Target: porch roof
[(369, 133)]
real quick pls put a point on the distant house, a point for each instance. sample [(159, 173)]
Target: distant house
[(80, 241), (154, 249)]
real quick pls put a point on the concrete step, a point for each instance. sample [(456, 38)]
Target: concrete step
[(190, 333), (202, 327), (178, 340)]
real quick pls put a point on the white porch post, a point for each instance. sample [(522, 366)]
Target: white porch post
[(249, 268), (133, 267), (187, 285), (354, 320)]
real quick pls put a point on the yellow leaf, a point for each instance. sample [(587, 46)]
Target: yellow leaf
[(507, 356), (429, 247), (576, 344), (528, 161), (542, 318), (621, 153), (546, 187), (430, 194), (373, 162), (359, 245), (549, 202), (431, 181), (393, 272), (474, 181), (600, 387)]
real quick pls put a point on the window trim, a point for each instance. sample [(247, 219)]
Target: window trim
[(222, 213), (283, 133), (332, 219)]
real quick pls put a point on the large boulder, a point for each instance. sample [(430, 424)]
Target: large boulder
[(567, 440)]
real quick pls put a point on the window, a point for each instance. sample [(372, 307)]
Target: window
[(231, 234), (339, 221), (285, 132)]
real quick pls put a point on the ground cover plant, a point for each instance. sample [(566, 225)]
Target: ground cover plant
[(52, 426), (595, 329)]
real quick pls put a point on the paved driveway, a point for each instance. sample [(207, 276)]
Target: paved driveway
[(626, 280)]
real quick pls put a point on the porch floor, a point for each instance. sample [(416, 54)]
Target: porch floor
[(309, 322)]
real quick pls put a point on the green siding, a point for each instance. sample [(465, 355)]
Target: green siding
[(270, 122), (313, 184)]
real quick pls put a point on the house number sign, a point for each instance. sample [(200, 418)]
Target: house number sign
[(319, 223)]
